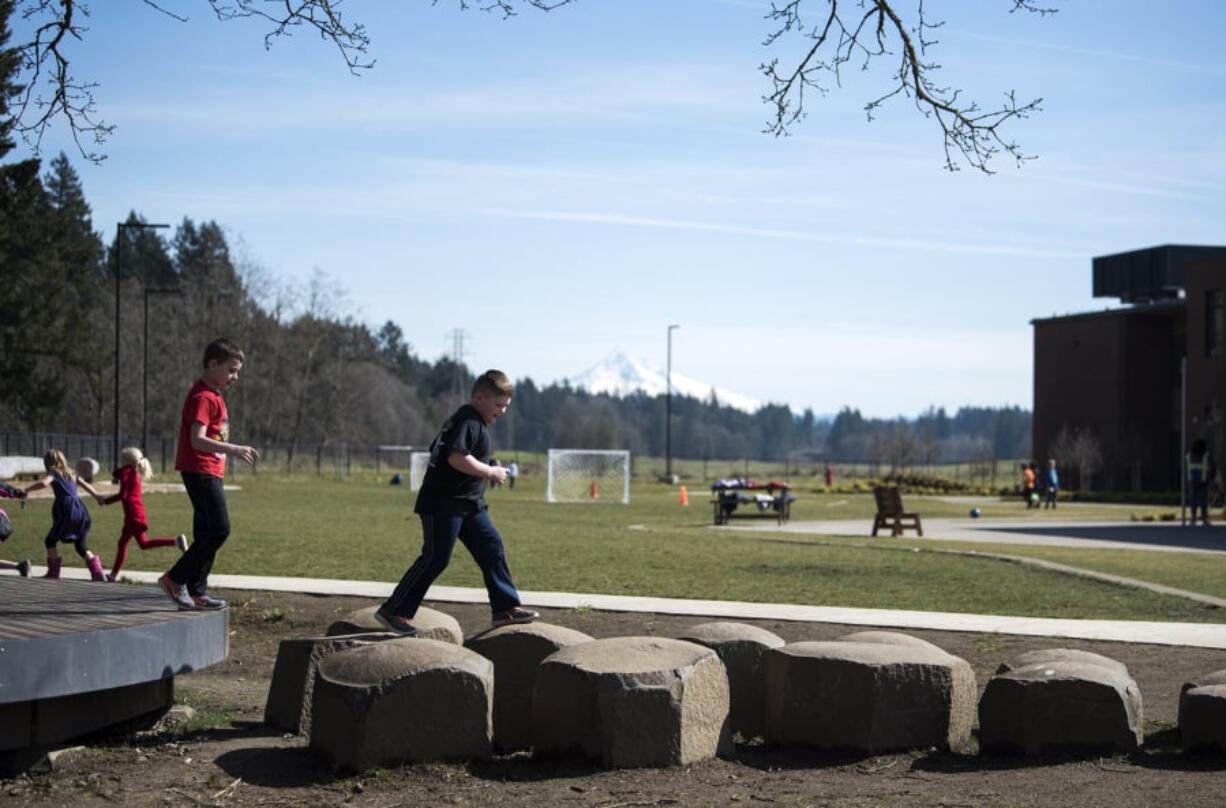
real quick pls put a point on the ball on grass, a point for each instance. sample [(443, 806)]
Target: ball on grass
[(976, 513)]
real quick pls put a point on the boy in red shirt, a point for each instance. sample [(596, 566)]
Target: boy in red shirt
[(200, 457)]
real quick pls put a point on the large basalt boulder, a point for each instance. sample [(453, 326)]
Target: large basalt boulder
[(1061, 706), (741, 647), (430, 624), (868, 697), (403, 700), (1202, 713), (293, 677), (1046, 655), (517, 652), (632, 701)]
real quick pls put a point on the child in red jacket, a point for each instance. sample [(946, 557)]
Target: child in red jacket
[(133, 468)]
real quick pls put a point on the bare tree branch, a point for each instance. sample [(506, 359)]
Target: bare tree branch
[(350, 39), (49, 89), (875, 29)]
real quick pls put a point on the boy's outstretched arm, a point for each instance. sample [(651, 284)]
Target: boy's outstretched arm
[(467, 464), (200, 443)]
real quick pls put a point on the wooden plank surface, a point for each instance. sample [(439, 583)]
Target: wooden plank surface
[(41, 607)]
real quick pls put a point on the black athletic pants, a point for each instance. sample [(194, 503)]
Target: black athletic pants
[(210, 527)]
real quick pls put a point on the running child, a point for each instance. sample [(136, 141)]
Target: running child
[(6, 529), (133, 468), (451, 504), (70, 520), (200, 456)]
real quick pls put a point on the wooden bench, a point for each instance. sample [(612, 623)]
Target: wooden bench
[(890, 513), (727, 498)]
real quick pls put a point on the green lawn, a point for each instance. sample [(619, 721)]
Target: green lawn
[(362, 528)]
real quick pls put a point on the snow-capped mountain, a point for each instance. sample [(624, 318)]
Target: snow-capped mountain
[(620, 374)]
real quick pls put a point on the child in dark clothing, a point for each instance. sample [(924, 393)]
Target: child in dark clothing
[(451, 504), (6, 529), (70, 520)]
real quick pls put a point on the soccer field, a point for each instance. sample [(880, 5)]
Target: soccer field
[(363, 528)]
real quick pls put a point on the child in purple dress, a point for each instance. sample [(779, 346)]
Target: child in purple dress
[(69, 519)]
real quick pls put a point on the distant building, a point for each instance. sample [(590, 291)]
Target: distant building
[(1114, 374)]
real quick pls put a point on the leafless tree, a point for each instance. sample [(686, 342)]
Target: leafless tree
[(840, 35), (1080, 448)]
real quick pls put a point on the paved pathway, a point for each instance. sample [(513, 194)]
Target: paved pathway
[(1152, 536), (1188, 634)]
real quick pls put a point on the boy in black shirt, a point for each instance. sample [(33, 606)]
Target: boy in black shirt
[(451, 504)]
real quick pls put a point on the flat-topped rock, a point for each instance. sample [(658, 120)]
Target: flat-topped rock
[(431, 624), (888, 638), (402, 700), (868, 697), (1202, 713), (741, 647), (293, 677), (632, 701), (517, 652), (1046, 655), (1060, 707)]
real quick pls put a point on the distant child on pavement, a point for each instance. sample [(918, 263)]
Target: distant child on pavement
[(1199, 462), (200, 456), (70, 520), (133, 468), (1052, 483), (1028, 483), (451, 504)]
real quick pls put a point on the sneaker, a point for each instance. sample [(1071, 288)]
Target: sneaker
[(23, 568), (110, 578), (208, 602), (181, 542), (516, 615), (395, 623), (177, 594)]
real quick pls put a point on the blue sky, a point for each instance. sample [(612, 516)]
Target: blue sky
[(563, 185)]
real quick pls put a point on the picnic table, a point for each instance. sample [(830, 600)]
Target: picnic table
[(770, 499)]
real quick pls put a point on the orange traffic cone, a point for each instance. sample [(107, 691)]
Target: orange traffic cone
[(594, 490), (684, 497)]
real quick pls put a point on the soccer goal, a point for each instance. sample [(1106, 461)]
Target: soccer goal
[(418, 462), (588, 475)]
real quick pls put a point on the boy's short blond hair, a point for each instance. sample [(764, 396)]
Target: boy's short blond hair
[(493, 383)]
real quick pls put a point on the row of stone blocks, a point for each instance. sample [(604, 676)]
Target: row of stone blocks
[(367, 699)]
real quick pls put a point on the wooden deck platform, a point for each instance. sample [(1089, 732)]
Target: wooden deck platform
[(64, 637)]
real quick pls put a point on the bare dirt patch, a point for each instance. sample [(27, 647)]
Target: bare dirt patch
[(224, 756)]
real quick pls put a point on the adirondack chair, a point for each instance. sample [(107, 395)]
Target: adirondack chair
[(890, 513)]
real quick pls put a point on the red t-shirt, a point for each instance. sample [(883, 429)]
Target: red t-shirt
[(203, 404)]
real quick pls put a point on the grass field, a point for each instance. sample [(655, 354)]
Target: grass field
[(362, 528)]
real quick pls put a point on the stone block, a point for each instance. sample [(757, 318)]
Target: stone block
[(1060, 707), (1046, 655), (517, 652), (293, 677), (741, 647), (632, 701), (431, 624), (402, 700), (868, 697), (888, 638), (1202, 713)]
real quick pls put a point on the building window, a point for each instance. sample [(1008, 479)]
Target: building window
[(1215, 324)]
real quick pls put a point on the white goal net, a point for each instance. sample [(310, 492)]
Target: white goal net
[(418, 462), (588, 475)]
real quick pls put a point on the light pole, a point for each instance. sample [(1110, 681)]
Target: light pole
[(144, 397), (119, 228), (668, 409)]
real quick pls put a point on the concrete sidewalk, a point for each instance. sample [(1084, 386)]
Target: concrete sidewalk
[(1148, 536), (1187, 634)]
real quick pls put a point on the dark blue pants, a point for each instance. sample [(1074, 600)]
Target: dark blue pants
[(439, 532), (210, 528)]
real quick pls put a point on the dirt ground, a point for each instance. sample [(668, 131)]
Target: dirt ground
[(224, 756)]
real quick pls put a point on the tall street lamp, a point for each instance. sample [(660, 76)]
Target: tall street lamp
[(668, 409), (119, 229), (144, 398)]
